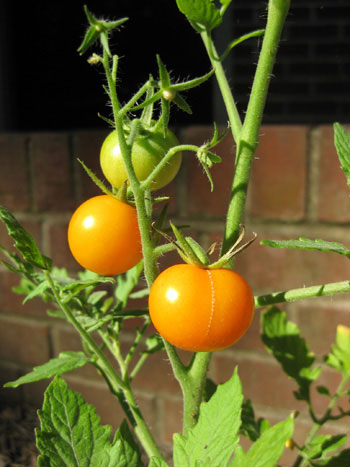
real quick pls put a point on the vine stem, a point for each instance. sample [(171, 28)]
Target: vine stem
[(247, 135), (300, 461), (302, 293)]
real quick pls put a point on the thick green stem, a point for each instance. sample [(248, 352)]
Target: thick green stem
[(248, 141), (302, 293)]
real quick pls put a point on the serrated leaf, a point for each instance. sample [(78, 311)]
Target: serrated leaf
[(213, 439), (66, 361), (156, 462), (323, 445), (125, 448), (38, 291), (282, 339), (202, 13), (267, 450), (340, 460), (23, 241), (251, 427), (308, 244), (339, 357), (342, 145), (127, 282), (71, 433)]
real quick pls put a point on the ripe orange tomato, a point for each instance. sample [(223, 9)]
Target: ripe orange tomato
[(199, 309), (104, 237)]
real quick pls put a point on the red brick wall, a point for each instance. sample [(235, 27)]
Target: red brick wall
[(297, 189)]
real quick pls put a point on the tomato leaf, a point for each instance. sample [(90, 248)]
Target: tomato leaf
[(214, 438), (308, 244), (323, 445), (127, 282), (65, 362), (156, 462), (251, 427), (202, 14), (268, 448), (282, 339), (24, 242), (342, 145), (71, 434), (339, 357)]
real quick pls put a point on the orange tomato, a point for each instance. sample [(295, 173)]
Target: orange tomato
[(104, 237), (201, 309)]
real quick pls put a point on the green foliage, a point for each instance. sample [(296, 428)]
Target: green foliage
[(267, 450), (213, 439), (342, 145), (71, 433), (282, 339), (310, 245), (66, 361), (24, 242), (339, 357), (202, 14)]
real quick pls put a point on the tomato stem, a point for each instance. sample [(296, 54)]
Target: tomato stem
[(247, 135), (302, 293)]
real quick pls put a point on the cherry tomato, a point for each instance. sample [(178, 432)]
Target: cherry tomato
[(147, 151), (104, 237), (199, 309)]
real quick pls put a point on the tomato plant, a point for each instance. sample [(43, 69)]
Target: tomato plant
[(201, 309), (147, 151), (104, 237)]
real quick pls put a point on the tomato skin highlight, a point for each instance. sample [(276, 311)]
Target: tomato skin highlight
[(147, 151), (201, 310), (104, 237)]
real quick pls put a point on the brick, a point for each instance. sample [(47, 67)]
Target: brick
[(156, 376), (201, 201), (11, 302), (318, 323), (333, 195), (171, 418), (32, 226), (251, 340), (263, 381), (52, 176), (271, 270), (24, 342), (58, 249), (87, 145), (278, 179), (14, 187)]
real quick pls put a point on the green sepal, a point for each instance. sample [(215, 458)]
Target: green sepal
[(184, 248), (99, 29), (96, 180)]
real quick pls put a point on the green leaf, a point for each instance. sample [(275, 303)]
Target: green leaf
[(38, 291), (200, 13), (156, 462), (307, 244), (323, 445), (323, 390), (267, 450), (71, 434), (250, 427), (339, 357), (282, 339), (24, 242), (342, 145), (213, 439), (340, 460), (125, 448), (66, 361), (127, 282)]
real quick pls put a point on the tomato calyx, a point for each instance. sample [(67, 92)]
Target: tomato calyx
[(192, 252)]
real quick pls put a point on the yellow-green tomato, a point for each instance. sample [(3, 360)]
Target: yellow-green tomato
[(147, 151)]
